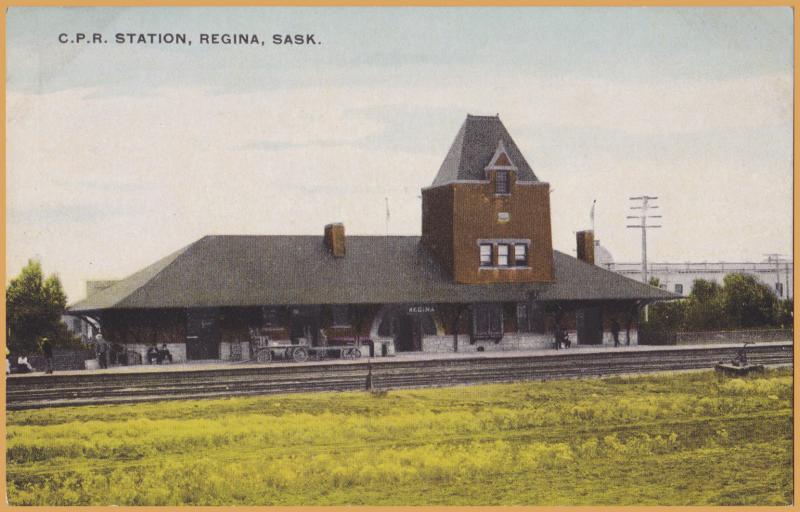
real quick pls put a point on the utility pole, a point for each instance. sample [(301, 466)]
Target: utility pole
[(786, 276), (387, 216), (645, 204), (778, 259)]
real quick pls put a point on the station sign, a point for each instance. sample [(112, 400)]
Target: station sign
[(420, 310)]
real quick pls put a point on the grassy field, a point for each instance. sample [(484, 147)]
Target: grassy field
[(686, 439)]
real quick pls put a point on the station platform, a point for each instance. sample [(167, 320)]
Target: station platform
[(215, 364)]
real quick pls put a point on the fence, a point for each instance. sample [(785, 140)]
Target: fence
[(648, 337)]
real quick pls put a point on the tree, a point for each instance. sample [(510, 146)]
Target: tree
[(667, 316), (34, 306), (741, 302), (747, 302), (704, 310), (784, 314)]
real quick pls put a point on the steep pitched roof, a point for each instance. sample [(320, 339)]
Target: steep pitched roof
[(296, 270), (473, 149)]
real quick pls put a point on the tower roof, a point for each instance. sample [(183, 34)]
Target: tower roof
[(475, 147)]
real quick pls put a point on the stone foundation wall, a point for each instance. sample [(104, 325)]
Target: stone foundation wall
[(512, 341)]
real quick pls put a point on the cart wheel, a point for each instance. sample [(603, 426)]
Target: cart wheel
[(300, 354), (356, 354), (264, 355)]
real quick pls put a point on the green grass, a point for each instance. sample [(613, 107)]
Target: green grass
[(685, 439)]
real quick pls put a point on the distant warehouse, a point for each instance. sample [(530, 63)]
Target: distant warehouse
[(482, 277)]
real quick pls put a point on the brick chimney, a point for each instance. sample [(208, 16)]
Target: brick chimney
[(334, 239), (586, 246)]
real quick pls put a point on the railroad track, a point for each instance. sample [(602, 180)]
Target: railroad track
[(31, 392)]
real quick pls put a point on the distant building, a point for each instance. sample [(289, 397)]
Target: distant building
[(679, 277)]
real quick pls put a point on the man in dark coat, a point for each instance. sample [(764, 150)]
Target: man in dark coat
[(47, 350), (615, 331), (102, 351)]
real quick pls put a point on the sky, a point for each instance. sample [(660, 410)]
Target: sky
[(120, 154)]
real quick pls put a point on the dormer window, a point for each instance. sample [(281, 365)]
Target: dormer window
[(501, 166), (501, 182)]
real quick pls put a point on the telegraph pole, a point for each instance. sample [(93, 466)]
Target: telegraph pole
[(778, 259), (644, 204)]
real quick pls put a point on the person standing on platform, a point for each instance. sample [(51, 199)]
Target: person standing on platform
[(615, 331), (47, 350), (102, 351)]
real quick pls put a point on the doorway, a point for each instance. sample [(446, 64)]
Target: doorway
[(590, 326), (407, 333), (304, 323), (202, 334)]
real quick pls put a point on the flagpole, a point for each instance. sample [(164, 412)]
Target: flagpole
[(387, 216)]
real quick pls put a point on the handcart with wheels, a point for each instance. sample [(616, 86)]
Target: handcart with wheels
[(266, 350)]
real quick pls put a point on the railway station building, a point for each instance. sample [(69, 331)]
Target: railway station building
[(483, 276)]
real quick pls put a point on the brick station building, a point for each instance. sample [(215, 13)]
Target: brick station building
[(482, 277)]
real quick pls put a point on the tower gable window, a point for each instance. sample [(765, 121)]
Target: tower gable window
[(501, 182), (502, 166)]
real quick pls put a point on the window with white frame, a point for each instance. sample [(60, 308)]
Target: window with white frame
[(502, 255), (486, 255), (520, 255)]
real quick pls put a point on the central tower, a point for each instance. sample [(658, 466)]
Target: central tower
[(486, 217)]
